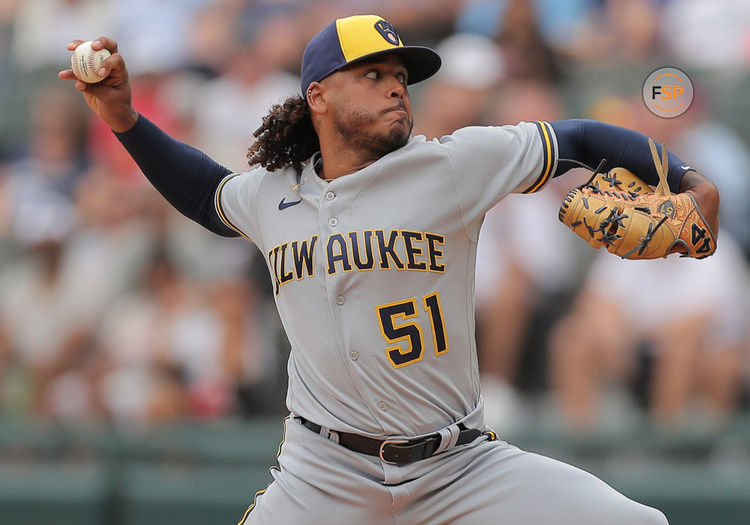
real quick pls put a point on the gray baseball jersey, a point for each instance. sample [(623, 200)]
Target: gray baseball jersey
[(373, 275)]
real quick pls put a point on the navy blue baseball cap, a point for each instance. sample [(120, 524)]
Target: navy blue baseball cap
[(360, 37)]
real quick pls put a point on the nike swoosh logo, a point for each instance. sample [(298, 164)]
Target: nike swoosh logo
[(284, 205), (685, 167)]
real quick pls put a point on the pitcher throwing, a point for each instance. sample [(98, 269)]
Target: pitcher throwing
[(370, 237)]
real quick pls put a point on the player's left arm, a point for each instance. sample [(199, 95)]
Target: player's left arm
[(589, 142)]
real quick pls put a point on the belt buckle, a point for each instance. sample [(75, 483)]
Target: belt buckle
[(390, 442)]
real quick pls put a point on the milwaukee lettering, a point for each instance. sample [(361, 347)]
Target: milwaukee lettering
[(357, 251)]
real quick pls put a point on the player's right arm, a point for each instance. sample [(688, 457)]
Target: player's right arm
[(186, 177), (111, 98)]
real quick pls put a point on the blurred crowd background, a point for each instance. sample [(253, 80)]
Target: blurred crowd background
[(114, 308)]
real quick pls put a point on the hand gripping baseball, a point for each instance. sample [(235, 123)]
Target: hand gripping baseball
[(110, 98), (620, 211)]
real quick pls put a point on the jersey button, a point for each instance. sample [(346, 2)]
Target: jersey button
[(383, 406), (330, 195), (333, 221), (340, 300), (354, 355)]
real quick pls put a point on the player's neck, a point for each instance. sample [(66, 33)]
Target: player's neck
[(337, 162)]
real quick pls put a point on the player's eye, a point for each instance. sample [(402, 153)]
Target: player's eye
[(401, 78), (372, 74)]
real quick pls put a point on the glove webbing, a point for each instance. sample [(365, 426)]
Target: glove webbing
[(662, 167)]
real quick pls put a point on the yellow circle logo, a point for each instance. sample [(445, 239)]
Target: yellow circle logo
[(668, 92)]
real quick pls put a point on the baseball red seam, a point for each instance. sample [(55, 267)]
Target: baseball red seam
[(85, 64)]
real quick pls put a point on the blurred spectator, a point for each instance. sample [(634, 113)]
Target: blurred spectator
[(620, 30), (250, 330), (702, 34), (229, 108), (138, 383), (40, 177), (213, 36), (517, 27), (686, 319), (154, 36), (527, 53), (7, 16), (79, 261), (559, 22), (43, 328), (42, 29), (719, 153), (105, 253), (53, 160), (172, 349), (457, 96)]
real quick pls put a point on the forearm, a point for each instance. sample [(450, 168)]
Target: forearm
[(589, 142), (185, 176)]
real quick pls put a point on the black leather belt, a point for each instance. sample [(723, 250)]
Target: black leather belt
[(395, 451)]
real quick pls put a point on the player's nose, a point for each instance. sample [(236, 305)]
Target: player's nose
[(397, 93), (397, 89)]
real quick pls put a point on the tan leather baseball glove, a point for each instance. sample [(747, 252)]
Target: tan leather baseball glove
[(620, 211)]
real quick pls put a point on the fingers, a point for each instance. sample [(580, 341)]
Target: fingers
[(113, 65), (67, 74), (100, 43), (74, 44), (114, 62), (104, 43)]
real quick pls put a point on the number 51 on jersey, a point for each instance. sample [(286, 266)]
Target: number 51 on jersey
[(399, 326)]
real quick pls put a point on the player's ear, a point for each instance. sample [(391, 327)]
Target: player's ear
[(316, 98)]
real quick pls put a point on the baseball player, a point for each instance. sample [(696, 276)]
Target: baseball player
[(370, 236)]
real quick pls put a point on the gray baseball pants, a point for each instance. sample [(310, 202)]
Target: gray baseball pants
[(487, 482)]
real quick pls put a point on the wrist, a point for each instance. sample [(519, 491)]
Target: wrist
[(126, 122), (706, 196)]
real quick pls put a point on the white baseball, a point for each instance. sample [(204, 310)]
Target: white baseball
[(85, 62)]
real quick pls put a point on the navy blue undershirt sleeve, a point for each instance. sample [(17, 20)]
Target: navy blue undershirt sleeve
[(589, 141), (185, 176)]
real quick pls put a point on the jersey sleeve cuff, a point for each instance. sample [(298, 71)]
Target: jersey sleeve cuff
[(549, 153), (220, 209)]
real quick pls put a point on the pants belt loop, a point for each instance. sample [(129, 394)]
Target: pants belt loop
[(448, 438), (329, 434)]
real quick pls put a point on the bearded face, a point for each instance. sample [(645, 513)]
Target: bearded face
[(369, 107), (363, 129)]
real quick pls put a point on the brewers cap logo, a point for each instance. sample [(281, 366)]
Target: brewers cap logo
[(387, 31)]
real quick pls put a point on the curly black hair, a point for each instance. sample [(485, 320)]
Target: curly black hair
[(286, 137)]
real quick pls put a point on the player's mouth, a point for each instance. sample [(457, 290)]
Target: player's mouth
[(396, 109)]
